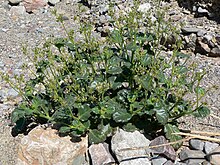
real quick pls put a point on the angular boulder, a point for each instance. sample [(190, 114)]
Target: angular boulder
[(45, 146)]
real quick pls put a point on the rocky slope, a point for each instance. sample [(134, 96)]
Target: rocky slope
[(26, 24)]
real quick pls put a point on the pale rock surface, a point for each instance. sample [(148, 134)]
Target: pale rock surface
[(122, 140), (214, 156), (16, 11), (100, 154), (14, 2), (46, 147), (33, 5), (53, 2)]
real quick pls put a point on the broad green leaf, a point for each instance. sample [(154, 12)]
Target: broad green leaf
[(130, 127), (116, 85), (84, 112), (147, 82), (132, 46), (20, 112), (99, 135), (121, 115), (114, 70), (169, 130), (59, 42), (201, 111), (162, 115), (64, 129), (116, 37)]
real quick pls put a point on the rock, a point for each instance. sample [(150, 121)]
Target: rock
[(17, 10), (100, 154), (207, 38), (139, 161), (214, 156), (215, 52), (188, 30), (192, 156), (202, 11), (206, 163), (145, 7), (32, 5), (122, 140), (12, 93), (14, 2), (158, 160), (196, 144), (201, 33), (44, 146), (167, 150), (208, 147), (169, 162), (53, 2), (202, 48)]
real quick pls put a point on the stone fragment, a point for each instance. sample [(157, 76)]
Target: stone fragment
[(124, 140), (202, 11), (45, 146), (145, 7), (207, 38), (214, 156), (100, 154), (190, 30), (167, 150), (14, 2), (202, 48), (201, 33), (206, 163), (192, 156), (180, 163), (12, 93), (139, 161), (158, 160), (215, 52), (32, 5), (17, 10), (169, 162), (53, 2), (196, 144), (209, 146)]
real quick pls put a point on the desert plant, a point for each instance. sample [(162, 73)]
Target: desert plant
[(94, 86)]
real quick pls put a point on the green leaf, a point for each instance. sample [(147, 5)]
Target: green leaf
[(122, 115), (162, 115), (130, 127), (201, 111), (169, 130), (99, 135), (114, 70), (20, 112), (116, 37), (64, 129), (132, 46), (147, 82), (84, 112), (200, 91)]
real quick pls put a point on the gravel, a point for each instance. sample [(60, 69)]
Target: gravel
[(19, 28)]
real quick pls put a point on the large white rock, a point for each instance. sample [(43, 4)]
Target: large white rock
[(122, 140), (45, 146), (16, 11)]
